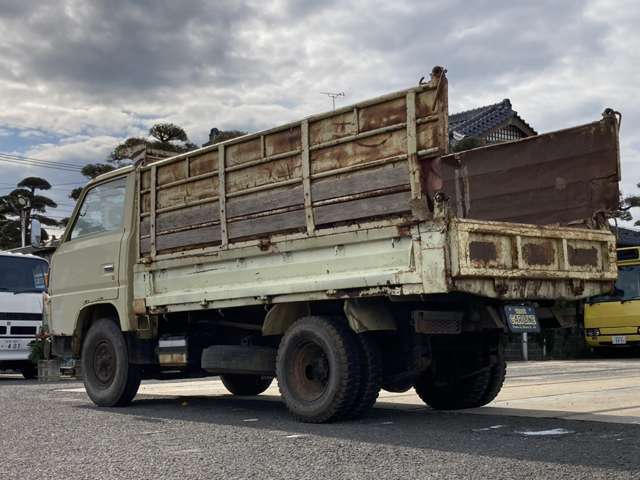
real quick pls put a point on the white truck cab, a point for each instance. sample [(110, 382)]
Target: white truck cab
[(22, 284)]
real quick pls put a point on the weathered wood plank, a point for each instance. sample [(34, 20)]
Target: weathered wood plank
[(385, 176), (286, 140), (262, 226), (392, 204), (382, 114), (373, 148), (264, 174), (264, 201), (198, 214), (203, 163), (188, 238)]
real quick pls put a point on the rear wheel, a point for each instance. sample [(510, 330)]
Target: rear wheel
[(246, 384), (468, 378), (109, 378), (371, 376), (318, 369)]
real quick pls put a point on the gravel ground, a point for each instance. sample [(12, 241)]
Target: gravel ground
[(49, 434)]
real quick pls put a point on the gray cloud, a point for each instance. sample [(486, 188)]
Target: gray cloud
[(80, 69)]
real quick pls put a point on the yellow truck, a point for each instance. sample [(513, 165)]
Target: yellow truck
[(340, 254), (613, 319)]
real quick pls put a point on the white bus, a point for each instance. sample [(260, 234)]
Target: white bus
[(22, 283)]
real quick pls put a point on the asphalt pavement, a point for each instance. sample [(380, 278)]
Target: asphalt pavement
[(553, 420)]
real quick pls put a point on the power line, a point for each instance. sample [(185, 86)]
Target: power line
[(32, 159), (40, 165)]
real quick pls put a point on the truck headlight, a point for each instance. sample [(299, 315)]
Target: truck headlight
[(594, 332)]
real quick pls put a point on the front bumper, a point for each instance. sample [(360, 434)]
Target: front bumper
[(605, 339)]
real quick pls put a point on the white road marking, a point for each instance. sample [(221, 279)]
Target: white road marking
[(553, 431)]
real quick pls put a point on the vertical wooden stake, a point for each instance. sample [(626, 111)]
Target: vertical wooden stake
[(306, 178), (222, 197), (152, 212)]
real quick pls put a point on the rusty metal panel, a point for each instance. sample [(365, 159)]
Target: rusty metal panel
[(507, 253), (565, 177), (269, 173)]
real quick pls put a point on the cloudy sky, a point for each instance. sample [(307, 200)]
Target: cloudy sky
[(78, 76)]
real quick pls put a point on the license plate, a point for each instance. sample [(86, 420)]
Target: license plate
[(11, 345), (619, 339), (522, 319)]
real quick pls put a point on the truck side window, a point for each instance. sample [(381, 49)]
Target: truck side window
[(102, 210)]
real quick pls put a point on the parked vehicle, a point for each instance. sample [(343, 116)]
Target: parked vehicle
[(22, 283), (613, 320), (341, 254)]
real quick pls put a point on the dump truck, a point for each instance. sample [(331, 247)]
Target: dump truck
[(342, 254)]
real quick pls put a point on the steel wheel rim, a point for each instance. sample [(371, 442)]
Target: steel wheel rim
[(104, 362), (309, 371)]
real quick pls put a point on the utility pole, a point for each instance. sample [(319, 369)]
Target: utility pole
[(24, 204), (333, 96)]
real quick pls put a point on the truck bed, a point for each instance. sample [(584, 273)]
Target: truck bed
[(365, 201)]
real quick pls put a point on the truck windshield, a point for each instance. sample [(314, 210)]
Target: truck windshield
[(627, 286), (22, 274)]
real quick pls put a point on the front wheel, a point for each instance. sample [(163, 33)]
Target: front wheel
[(246, 384), (109, 378)]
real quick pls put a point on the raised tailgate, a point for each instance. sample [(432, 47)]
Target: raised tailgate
[(529, 261)]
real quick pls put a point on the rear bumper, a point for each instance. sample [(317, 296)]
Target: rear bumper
[(519, 261)]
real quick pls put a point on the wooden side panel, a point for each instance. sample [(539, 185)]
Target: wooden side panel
[(344, 166)]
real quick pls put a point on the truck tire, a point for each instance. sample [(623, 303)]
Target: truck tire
[(245, 384), (370, 376), (109, 378), (318, 369), (472, 382), (29, 371), (497, 376)]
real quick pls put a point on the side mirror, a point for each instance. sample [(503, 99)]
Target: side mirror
[(36, 233)]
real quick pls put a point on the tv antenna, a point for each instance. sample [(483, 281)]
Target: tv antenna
[(333, 96)]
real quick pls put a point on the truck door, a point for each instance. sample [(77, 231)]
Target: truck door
[(86, 265)]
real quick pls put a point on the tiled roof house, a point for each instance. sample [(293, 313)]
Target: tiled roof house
[(491, 124)]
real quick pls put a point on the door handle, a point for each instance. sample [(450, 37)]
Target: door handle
[(108, 268)]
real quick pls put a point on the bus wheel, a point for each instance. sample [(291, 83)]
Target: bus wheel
[(29, 371), (109, 378), (318, 369)]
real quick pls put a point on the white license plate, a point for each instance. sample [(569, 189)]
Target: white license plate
[(619, 339), (12, 345)]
